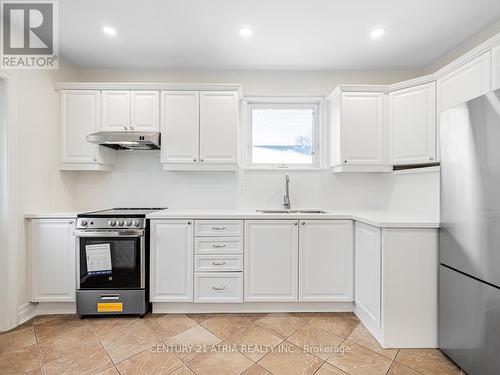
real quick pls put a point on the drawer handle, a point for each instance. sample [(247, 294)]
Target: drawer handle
[(218, 263), (218, 246), (216, 288), (218, 228), (110, 297)]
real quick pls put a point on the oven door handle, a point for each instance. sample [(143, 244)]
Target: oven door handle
[(124, 233)]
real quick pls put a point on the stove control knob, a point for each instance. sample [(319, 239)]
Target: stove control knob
[(137, 223), (84, 223), (120, 222), (129, 223), (112, 223)]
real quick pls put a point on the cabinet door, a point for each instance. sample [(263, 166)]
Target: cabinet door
[(326, 261), (53, 268), (465, 83), (115, 110), (171, 270), (367, 271), (145, 110), (80, 110), (495, 72), (219, 127), (362, 127), (412, 125), (180, 126), (271, 260)]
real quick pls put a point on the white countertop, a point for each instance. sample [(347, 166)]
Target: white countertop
[(378, 218), (70, 214)]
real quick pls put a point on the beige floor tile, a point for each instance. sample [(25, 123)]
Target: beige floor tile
[(428, 361), (199, 317), (192, 342), (341, 324), (168, 325), (126, 339), (256, 369), (233, 363), (108, 325), (357, 360), (225, 326), (57, 327), (77, 353), (363, 337), (22, 361), (316, 341), (397, 369), (255, 342), (282, 325), (288, 359), (40, 319), (149, 363), (184, 370), (17, 339), (109, 371), (328, 369)]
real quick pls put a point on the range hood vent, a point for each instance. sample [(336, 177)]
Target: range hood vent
[(126, 140)]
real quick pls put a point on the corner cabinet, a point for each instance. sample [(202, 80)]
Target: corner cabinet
[(412, 125), (357, 132), (52, 260), (171, 261), (495, 72), (80, 116), (199, 130)]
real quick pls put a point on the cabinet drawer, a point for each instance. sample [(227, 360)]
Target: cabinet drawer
[(218, 228), (218, 287), (218, 245), (218, 263)]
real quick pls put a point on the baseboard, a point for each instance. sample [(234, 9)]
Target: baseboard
[(50, 308), (25, 312), (252, 307)]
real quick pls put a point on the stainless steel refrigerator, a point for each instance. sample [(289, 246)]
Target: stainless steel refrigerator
[(469, 271)]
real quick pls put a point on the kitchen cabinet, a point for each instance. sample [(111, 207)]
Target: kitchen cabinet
[(80, 116), (171, 262), (199, 130), (495, 69), (357, 131), (412, 125), (53, 267), (130, 110), (271, 261), (467, 82), (326, 260)]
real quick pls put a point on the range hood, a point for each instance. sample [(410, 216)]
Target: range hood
[(126, 140)]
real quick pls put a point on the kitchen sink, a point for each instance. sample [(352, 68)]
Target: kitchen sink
[(298, 211)]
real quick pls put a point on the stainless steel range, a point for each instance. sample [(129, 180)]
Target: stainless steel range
[(112, 261)]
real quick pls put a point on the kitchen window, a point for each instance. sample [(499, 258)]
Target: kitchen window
[(283, 133)]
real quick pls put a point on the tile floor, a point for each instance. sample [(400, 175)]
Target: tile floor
[(204, 344)]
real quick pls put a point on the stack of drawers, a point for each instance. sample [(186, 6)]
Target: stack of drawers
[(218, 264)]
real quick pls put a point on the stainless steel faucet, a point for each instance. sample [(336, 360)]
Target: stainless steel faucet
[(286, 197)]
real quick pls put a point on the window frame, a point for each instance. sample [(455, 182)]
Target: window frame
[(314, 103)]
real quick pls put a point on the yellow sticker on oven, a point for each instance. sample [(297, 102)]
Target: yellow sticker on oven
[(110, 307)]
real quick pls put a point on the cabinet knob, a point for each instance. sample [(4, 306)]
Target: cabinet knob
[(194, 160), (345, 161), (431, 158), (303, 223), (296, 223), (202, 160), (124, 128), (189, 223)]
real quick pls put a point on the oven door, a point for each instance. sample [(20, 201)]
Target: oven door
[(111, 259)]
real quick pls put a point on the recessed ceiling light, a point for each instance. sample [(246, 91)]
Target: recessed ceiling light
[(108, 30), (246, 32), (377, 33)]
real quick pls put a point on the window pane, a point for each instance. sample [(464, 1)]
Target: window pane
[(282, 136)]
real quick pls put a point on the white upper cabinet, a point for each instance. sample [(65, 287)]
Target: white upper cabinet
[(115, 110), (180, 127), (53, 265), (357, 131), (495, 72), (412, 125), (326, 257), (218, 127), (80, 116), (465, 83), (171, 248), (271, 261), (145, 110)]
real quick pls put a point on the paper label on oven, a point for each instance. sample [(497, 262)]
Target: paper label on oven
[(98, 259)]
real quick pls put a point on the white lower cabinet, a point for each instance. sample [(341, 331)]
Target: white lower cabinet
[(171, 252), (326, 261), (271, 260), (53, 268), (222, 287)]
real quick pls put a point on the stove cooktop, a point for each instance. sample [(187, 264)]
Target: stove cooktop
[(122, 212)]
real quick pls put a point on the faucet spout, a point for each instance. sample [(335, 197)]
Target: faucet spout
[(286, 197)]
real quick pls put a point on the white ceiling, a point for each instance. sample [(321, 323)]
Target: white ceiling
[(288, 34)]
